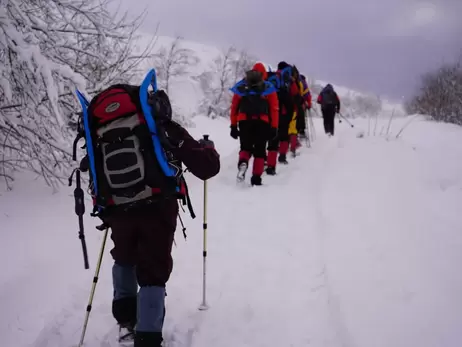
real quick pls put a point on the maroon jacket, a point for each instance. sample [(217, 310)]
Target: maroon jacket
[(203, 162), (144, 237)]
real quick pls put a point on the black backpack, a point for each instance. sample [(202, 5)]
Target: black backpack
[(127, 151), (329, 98)]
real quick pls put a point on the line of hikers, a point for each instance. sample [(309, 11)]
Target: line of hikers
[(134, 155), (268, 115)]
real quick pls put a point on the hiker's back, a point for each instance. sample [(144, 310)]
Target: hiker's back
[(135, 154)]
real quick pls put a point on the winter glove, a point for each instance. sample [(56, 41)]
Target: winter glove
[(175, 133), (273, 133), (234, 132), (205, 142)]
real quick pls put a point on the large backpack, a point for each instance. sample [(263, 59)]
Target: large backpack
[(127, 150), (253, 91), (329, 98), (285, 77), (273, 78)]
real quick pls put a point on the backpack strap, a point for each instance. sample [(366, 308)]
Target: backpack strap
[(187, 200)]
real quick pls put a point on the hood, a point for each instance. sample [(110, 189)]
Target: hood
[(261, 68), (282, 65)]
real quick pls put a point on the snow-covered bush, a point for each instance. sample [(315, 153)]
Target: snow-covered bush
[(47, 49), (440, 94), (361, 105)]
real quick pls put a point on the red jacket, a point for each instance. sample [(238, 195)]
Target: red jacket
[(273, 105), (272, 117)]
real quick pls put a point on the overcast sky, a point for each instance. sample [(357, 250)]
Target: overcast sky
[(381, 46)]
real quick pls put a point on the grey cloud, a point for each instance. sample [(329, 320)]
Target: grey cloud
[(376, 46)]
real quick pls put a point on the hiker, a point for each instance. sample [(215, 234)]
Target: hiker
[(297, 123), (286, 91), (330, 105), (306, 106), (139, 187), (254, 120)]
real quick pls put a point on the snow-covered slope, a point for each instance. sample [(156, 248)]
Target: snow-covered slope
[(355, 243), (187, 94)]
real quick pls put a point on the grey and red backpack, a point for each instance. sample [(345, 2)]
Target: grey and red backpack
[(128, 154)]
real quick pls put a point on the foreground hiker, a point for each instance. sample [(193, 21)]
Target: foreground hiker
[(254, 119), (330, 105), (136, 173)]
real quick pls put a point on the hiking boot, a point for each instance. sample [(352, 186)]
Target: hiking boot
[(126, 334), (148, 339), (283, 159), (271, 171), (242, 169), (294, 154), (255, 180)]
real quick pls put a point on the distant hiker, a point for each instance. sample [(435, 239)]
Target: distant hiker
[(330, 105), (135, 155), (286, 90), (254, 119)]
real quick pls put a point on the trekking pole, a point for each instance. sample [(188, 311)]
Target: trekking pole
[(308, 135), (313, 130), (346, 120), (95, 281), (80, 211), (204, 305)]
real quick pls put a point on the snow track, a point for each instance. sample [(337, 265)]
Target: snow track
[(355, 243)]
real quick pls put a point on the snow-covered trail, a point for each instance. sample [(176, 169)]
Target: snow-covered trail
[(267, 284), (356, 243), (353, 244)]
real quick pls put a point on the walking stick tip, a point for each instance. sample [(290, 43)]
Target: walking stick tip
[(203, 307)]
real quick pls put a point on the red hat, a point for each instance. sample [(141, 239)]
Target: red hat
[(260, 68)]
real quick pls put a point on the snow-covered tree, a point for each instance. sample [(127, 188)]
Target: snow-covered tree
[(241, 64), (226, 69), (47, 49), (440, 94), (173, 61)]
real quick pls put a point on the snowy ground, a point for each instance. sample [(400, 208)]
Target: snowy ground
[(356, 243)]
